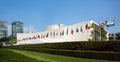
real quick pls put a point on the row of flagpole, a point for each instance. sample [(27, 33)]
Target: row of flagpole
[(111, 23)]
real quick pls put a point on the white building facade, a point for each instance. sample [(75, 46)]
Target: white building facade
[(61, 33)]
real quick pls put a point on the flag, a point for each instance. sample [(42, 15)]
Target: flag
[(81, 29), (67, 31), (38, 36), (47, 34), (34, 37), (86, 26), (57, 34), (51, 34), (54, 34), (60, 34), (77, 30), (29, 38), (91, 26), (111, 23), (63, 32), (72, 31), (104, 23)]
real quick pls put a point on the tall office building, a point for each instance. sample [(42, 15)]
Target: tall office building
[(3, 29), (17, 27)]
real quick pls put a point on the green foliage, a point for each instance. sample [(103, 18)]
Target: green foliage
[(85, 45), (103, 34), (98, 32), (0, 44), (73, 49), (4, 39), (10, 39)]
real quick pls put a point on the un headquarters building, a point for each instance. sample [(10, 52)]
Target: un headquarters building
[(61, 33)]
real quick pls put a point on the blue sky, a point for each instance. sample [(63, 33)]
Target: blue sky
[(39, 14)]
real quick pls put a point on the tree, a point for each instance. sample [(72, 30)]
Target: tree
[(4, 39), (0, 44), (12, 40), (103, 34), (95, 34), (8, 40)]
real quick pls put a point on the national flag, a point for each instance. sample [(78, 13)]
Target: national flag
[(54, 34), (91, 26), (38, 36), (47, 34), (60, 34), (77, 30), (110, 23), (104, 23), (51, 34), (72, 31), (67, 31), (63, 32), (34, 37), (81, 29), (86, 26), (29, 38), (41, 36)]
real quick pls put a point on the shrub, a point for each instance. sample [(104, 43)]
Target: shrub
[(91, 45), (76, 49), (0, 44)]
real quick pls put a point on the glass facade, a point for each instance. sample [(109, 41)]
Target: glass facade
[(3, 29), (17, 27)]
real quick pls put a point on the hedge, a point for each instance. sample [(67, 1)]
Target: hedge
[(90, 45), (115, 56), (92, 50), (1, 45)]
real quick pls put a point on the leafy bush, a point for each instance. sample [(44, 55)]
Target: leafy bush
[(76, 49), (0, 44), (90, 45)]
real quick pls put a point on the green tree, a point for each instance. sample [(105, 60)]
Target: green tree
[(103, 34), (4, 39), (8, 40), (12, 40), (96, 33), (0, 44)]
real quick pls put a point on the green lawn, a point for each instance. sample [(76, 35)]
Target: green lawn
[(12, 55), (9, 56)]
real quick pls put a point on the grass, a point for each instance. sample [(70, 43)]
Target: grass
[(41, 57), (9, 56)]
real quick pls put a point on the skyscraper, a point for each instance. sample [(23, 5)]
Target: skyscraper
[(3, 29), (17, 27)]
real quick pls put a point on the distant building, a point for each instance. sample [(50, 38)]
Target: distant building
[(3, 29), (84, 31), (116, 35), (17, 27)]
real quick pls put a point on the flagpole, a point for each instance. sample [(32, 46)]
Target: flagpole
[(100, 33), (114, 29), (100, 30)]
